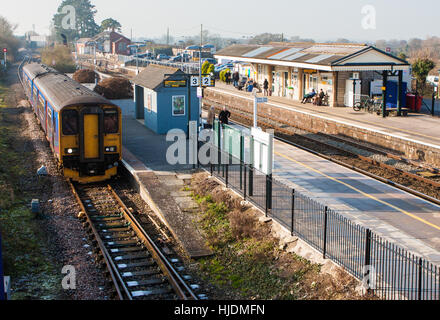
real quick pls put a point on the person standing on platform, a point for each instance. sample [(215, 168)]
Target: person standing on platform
[(211, 118), (224, 116), (236, 78), (266, 87)]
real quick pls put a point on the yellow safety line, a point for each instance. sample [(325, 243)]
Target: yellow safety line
[(361, 192)]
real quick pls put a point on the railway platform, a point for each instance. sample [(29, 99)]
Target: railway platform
[(415, 137), (400, 217), (162, 185)]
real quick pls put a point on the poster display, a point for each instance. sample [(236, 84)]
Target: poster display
[(178, 106)]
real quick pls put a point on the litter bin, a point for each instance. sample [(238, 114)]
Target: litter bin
[(419, 103), (411, 102)]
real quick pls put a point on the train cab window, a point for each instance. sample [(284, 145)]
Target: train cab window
[(111, 124), (70, 122)]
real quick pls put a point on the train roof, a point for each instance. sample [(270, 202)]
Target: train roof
[(60, 90)]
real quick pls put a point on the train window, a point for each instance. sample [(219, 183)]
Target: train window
[(111, 124), (70, 122)]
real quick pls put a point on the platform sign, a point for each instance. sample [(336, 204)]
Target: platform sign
[(195, 81), (262, 100), (207, 81), (175, 83), (199, 92)]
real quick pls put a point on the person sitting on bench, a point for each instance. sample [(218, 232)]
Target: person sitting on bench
[(308, 96)]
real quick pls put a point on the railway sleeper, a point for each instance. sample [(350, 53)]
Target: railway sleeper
[(149, 293), (116, 230), (127, 249), (144, 255), (113, 225), (125, 243), (149, 282), (146, 263), (106, 218), (143, 273), (118, 236)]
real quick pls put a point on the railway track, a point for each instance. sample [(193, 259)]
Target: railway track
[(338, 150), (137, 267)]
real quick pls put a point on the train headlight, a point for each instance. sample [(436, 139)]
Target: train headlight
[(71, 151), (111, 149)]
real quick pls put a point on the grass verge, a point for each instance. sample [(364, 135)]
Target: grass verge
[(25, 255), (248, 262)]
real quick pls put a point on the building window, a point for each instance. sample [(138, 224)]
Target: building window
[(148, 102), (178, 106)]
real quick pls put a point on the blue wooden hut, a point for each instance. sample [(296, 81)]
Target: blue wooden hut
[(163, 98)]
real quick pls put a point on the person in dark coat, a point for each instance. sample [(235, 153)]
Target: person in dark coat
[(224, 116), (228, 77), (266, 87), (236, 78)]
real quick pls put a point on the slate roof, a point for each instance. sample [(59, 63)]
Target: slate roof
[(153, 76), (316, 54), (293, 52)]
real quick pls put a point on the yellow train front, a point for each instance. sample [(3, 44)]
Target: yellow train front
[(84, 129)]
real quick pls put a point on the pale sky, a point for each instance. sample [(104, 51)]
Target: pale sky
[(317, 19)]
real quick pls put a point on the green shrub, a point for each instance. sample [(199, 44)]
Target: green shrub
[(59, 58), (223, 73)]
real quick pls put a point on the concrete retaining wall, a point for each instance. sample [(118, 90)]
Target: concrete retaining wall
[(408, 149)]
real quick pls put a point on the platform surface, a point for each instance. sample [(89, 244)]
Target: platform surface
[(418, 127), (161, 185), (407, 220)]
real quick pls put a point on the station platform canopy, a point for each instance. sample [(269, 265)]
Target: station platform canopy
[(324, 57)]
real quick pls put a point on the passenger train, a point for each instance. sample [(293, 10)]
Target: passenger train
[(83, 128)]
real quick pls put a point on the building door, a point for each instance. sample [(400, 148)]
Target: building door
[(139, 102), (273, 82), (349, 95), (91, 136), (305, 84), (286, 83)]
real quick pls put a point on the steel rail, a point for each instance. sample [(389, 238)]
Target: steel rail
[(175, 279), (374, 162), (110, 265), (352, 167)]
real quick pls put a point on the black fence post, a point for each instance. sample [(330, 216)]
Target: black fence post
[(219, 140), (251, 181), (268, 194), (227, 171), (241, 160), (433, 104), (368, 253), (244, 180), (324, 251), (292, 227), (420, 279)]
